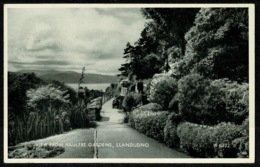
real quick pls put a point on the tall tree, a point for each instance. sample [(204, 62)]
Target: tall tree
[(168, 25), (165, 28)]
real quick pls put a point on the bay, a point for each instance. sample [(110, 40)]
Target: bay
[(95, 86)]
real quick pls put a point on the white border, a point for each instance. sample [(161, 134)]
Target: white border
[(251, 158)]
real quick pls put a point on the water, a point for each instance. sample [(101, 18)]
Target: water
[(95, 86)]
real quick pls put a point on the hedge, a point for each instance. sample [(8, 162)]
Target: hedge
[(150, 123), (206, 141)]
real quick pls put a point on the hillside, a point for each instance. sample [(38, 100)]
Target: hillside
[(72, 77)]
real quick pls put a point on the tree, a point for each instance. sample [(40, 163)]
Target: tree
[(165, 29), (140, 57), (168, 25), (217, 45)]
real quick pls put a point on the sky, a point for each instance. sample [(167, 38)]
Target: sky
[(72, 38)]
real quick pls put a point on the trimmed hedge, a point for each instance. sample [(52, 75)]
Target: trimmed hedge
[(149, 122), (205, 141)]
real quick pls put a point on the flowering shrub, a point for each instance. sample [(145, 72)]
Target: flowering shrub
[(149, 122), (206, 141)]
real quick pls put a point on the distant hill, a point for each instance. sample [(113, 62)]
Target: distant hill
[(72, 77)]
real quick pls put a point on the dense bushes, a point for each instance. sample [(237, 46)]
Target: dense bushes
[(198, 91), (204, 141), (163, 90), (199, 102), (38, 108), (209, 102), (18, 113), (222, 140), (150, 123), (235, 97), (207, 105)]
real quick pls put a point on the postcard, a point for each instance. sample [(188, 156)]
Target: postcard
[(129, 83)]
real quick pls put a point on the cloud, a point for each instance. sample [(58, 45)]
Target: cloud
[(71, 38)]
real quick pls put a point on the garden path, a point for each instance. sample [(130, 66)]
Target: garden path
[(75, 142), (114, 138)]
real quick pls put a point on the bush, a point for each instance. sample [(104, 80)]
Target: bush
[(170, 130), (235, 99), (79, 116), (199, 102), (131, 100), (151, 107), (149, 122), (204, 141), (163, 90), (242, 143)]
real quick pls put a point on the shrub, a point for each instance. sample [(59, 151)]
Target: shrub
[(131, 100), (149, 122), (163, 90), (72, 93), (151, 107), (199, 102), (235, 99), (79, 116), (49, 111), (170, 130), (242, 143), (204, 141)]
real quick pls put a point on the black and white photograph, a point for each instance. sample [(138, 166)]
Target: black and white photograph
[(129, 83)]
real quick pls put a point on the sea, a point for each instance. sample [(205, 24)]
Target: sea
[(95, 86)]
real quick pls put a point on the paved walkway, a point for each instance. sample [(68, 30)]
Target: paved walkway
[(116, 139)]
